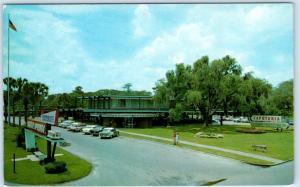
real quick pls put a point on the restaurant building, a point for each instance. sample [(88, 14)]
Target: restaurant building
[(124, 111)]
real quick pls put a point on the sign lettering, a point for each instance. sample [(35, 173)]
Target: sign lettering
[(273, 119), (37, 126)]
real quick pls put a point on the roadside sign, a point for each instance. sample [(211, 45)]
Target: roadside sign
[(37, 126), (262, 118), (29, 140), (269, 121), (50, 117)]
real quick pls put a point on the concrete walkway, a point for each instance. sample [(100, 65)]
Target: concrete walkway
[(33, 157), (250, 155)]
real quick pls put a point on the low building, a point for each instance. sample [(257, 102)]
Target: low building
[(124, 111)]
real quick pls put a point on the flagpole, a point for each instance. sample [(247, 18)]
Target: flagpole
[(8, 85)]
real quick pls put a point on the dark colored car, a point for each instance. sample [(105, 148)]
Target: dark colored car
[(95, 131), (109, 132)]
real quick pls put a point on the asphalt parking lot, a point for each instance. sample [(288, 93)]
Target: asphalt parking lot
[(126, 161)]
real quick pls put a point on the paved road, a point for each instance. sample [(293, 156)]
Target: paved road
[(276, 161), (280, 175), (126, 161)]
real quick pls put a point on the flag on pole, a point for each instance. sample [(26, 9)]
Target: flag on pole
[(12, 26)]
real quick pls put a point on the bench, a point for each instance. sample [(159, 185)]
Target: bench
[(260, 147)]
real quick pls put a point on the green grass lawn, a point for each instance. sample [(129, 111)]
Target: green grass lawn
[(30, 172), (280, 144)]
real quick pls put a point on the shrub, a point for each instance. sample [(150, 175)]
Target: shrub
[(55, 167), (251, 130), (20, 140)]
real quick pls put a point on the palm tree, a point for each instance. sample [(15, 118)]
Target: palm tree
[(19, 85), (5, 105), (12, 87), (40, 91), (27, 94), (127, 87)]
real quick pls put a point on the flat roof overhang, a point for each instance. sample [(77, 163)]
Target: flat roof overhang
[(128, 115), (124, 111)]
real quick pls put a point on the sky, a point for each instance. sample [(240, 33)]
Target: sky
[(106, 46)]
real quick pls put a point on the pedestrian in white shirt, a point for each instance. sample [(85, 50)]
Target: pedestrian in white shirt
[(177, 138)]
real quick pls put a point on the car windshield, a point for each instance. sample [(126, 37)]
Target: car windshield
[(90, 126), (106, 130)]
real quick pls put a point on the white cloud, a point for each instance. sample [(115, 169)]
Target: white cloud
[(142, 22), (268, 18), (55, 57), (184, 44)]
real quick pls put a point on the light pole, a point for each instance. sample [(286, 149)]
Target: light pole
[(10, 26), (8, 85)]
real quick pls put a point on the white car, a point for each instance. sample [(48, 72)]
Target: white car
[(87, 129), (76, 126), (65, 123), (244, 120), (241, 120)]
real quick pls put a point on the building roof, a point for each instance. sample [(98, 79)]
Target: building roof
[(118, 97), (129, 115)]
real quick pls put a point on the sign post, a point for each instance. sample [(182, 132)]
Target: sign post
[(50, 118), (14, 163), (41, 128)]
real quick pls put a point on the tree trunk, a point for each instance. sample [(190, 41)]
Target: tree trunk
[(25, 112), (221, 120), (19, 118), (33, 111), (13, 108), (206, 120), (40, 108), (5, 113)]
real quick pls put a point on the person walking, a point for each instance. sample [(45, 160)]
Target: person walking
[(177, 138), (174, 137)]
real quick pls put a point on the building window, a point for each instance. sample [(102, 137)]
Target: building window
[(122, 103)]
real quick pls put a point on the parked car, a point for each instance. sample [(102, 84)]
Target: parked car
[(241, 119), (291, 122), (76, 127), (73, 124), (109, 132), (87, 129), (95, 131), (65, 123), (215, 121), (237, 120), (244, 120)]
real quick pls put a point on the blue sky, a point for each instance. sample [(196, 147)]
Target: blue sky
[(106, 46)]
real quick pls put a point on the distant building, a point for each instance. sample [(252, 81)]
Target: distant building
[(124, 111)]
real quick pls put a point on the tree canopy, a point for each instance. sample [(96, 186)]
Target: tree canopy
[(209, 86)]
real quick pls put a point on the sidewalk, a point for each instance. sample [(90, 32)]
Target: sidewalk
[(250, 155)]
